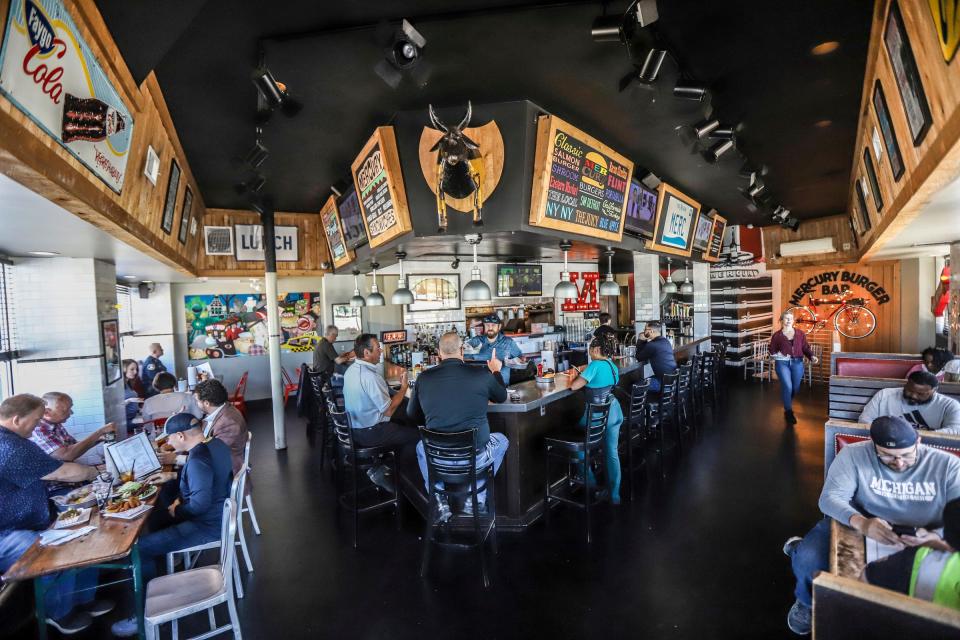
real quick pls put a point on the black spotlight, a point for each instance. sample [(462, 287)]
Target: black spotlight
[(724, 133), (756, 188), (693, 134), (650, 181), (456, 262), (274, 95), (791, 223), (690, 93), (403, 50), (713, 153), (257, 155), (611, 29), (648, 72), (254, 184)]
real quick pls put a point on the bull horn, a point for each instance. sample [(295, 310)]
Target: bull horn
[(466, 118), (436, 121)]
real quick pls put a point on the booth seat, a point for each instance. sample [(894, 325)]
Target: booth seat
[(873, 365), (840, 433), (849, 394)]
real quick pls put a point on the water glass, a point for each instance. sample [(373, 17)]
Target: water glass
[(101, 489)]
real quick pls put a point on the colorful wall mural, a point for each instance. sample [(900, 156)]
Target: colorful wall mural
[(235, 325)]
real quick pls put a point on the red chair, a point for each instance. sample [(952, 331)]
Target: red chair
[(236, 399), (291, 386)]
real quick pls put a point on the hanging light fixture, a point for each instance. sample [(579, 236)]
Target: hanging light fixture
[(476, 290), (402, 295), (357, 299), (669, 286), (565, 289), (375, 299), (687, 286), (608, 287)]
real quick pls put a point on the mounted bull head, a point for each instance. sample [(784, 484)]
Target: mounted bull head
[(459, 167)]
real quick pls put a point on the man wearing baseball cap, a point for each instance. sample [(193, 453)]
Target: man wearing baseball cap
[(494, 344), (192, 518), (872, 486)]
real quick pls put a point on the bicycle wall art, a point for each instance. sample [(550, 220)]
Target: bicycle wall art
[(837, 298)]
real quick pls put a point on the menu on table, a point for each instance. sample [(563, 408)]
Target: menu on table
[(716, 239), (379, 182), (330, 219), (676, 222), (135, 453), (580, 185)]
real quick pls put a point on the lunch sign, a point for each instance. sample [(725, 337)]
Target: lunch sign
[(580, 185), (379, 182), (48, 71)]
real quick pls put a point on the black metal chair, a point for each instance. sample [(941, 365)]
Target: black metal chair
[(356, 461), (662, 412), (696, 386), (635, 431), (708, 377), (327, 397), (685, 421), (452, 461), (576, 447)]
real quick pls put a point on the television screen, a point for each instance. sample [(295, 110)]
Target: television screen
[(641, 210), (354, 233), (701, 237), (515, 280)]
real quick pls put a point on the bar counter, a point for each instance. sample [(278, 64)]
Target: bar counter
[(534, 410)]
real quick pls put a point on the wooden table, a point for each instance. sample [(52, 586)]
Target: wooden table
[(113, 539), (848, 551)]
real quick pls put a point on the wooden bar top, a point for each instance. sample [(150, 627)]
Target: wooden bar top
[(112, 540)]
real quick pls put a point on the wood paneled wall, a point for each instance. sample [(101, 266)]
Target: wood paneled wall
[(31, 157), (936, 160), (836, 227), (312, 246), (886, 338)]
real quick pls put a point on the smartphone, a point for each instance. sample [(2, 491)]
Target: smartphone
[(903, 530)]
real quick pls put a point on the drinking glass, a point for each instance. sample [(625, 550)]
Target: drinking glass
[(101, 489)]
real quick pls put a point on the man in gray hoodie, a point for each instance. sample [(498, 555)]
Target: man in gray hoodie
[(872, 486), (918, 402)]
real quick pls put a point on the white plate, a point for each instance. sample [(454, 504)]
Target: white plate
[(128, 515), (81, 518)]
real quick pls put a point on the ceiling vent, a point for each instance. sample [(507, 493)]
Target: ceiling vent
[(807, 247), (151, 168), (218, 241)]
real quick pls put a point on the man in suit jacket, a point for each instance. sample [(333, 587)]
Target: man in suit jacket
[(223, 421)]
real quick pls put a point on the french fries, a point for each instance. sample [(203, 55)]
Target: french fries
[(119, 506)]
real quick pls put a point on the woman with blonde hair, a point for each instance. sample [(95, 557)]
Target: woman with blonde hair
[(787, 348)]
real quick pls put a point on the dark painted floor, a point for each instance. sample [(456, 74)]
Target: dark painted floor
[(698, 556)]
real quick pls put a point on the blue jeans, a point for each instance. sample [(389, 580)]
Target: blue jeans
[(170, 535), (790, 373), (64, 590), (493, 454), (611, 457), (654, 384), (809, 557)]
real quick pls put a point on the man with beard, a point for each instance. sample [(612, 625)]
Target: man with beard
[(918, 402), (874, 486), (493, 340)]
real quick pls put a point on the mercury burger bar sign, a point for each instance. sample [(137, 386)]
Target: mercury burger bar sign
[(837, 282), (48, 71)]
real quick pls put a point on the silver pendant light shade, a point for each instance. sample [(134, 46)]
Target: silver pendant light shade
[(375, 299), (476, 290), (357, 300), (402, 295), (687, 286), (669, 286), (565, 289), (608, 287)]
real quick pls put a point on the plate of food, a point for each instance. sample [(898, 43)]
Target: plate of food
[(547, 377), (126, 508), (139, 490), (79, 498), (72, 517)]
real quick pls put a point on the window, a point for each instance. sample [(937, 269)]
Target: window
[(125, 310), (8, 320)]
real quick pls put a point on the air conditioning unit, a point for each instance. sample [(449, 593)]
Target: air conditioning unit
[(807, 247), (218, 241)]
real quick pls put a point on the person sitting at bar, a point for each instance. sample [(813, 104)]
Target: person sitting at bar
[(599, 378), (374, 413), (931, 571), (222, 420), (151, 367), (325, 358), (133, 393), (24, 513), (934, 360), (606, 330), (51, 436), (493, 339), (658, 351), (873, 486), (918, 402), (168, 400), (192, 517), (453, 397)]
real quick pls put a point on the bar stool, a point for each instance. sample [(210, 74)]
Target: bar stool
[(708, 377), (684, 398), (452, 460), (662, 411), (575, 448), (696, 396), (356, 460), (635, 432)]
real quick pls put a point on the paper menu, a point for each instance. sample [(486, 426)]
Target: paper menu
[(133, 453), (878, 550)]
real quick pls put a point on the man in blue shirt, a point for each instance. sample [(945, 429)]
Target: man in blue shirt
[(658, 351), (494, 339), (24, 512), (193, 518), (151, 367)]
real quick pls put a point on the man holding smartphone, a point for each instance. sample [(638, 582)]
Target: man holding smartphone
[(891, 480)]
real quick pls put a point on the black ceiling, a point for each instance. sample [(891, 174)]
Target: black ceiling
[(754, 55)]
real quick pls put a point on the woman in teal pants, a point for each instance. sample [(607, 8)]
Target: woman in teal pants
[(599, 378)]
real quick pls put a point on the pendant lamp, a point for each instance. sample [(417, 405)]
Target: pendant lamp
[(669, 286), (375, 299), (608, 287), (565, 289), (402, 295), (476, 290), (357, 299), (687, 286)]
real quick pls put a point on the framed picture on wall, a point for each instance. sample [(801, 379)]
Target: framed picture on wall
[(347, 319), (907, 75), (185, 215), (170, 204), (872, 177), (110, 333), (887, 131), (434, 292), (862, 210)]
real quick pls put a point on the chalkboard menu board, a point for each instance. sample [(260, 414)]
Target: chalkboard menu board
[(330, 220), (641, 210), (351, 220), (580, 185), (676, 222), (716, 238), (379, 183)]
